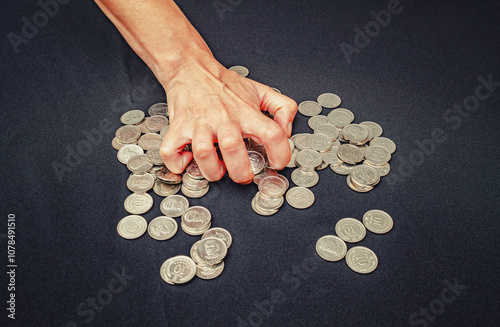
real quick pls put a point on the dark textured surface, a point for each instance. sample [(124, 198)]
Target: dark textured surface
[(77, 74)]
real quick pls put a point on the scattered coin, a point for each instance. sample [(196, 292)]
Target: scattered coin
[(132, 227), (300, 197), (162, 228), (384, 143), (219, 233), (140, 183), (211, 250), (350, 230), (361, 259), (138, 203), (309, 108), (132, 117), (158, 109), (331, 248), (209, 272), (178, 270), (377, 221), (305, 179), (174, 205), (329, 100)]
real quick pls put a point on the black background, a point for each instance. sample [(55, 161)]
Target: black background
[(76, 73)]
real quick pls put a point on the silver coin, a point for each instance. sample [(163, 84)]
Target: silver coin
[(329, 130), (378, 221), (163, 189), (193, 170), (287, 183), (331, 157), (219, 233), (350, 154), (276, 90), (257, 161), (155, 123), (350, 230), (385, 143), (195, 232), (166, 176), (194, 184), (149, 140), (196, 218), (377, 155), (343, 169), (364, 175), (308, 159), (331, 248), (128, 134), (323, 166), (158, 109), (162, 228), (138, 203), (117, 145), (139, 164), (132, 227), (211, 250), (164, 130), (266, 203), (210, 272), (194, 254), (356, 133), (300, 197), (174, 205), (305, 179), (240, 70), (265, 173), (194, 194), (178, 270), (329, 100), (262, 211), (339, 118), (272, 186), (300, 140), (132, 117), (140, 183), (356, 187), (376, 128), (309, 108), (292, 146), (142, 127), (383, 170), (154, 156), (319, 142), (315, 121), (361, 259), (292, 163)]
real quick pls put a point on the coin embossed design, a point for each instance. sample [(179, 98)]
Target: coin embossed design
[(174, 205), (211, 250), (309, 108), (219, 233), (378, 221), (350, 230), (331, 248), (329, 100), (162, 228), (178, 270), (138, 203), (361, 259), (300, 197), (132, 227)]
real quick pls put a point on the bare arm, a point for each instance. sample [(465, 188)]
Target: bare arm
[(207, 102)]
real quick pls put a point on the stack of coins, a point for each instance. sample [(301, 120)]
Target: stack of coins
[(196, 220), (269, 198), (209, 252), (359, 258), (194, 184)]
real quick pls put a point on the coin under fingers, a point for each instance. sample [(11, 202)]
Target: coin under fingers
[(174, 205), (257, 161), (361, 259), (350, 230), (240, 70), (309, 108), (300, 197), (138, 203), (378, 221), (162, 228), (329, 100), (132, 227), (331, 248), (158, 109)]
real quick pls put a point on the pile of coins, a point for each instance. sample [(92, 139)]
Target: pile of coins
[(340, 144), (359, 258)]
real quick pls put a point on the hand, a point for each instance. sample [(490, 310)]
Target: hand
[(209, 104)]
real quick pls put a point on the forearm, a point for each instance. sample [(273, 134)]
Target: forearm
[(159, 33)]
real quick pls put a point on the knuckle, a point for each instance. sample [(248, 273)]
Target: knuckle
[(203, 150), (230, 142), (272, 133)]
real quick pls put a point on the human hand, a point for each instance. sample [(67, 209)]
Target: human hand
[(209, 104)]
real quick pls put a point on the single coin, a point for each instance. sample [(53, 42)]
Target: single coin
[(142, 127), (139, 164), (158, 109), (149, 140), (117, 145), (331, 248), (211, 250), (240, 70), (350, 154), (257, 161), (305, 178), (132, 117), (193, 170), (300, 140), (140, 183), (350, 230), (361, 259), (339, 118), (376, 128), (331, 157), (128, 134), (155, 123), (315, 121), (196, 217), (329, 100), (300, 197), (138, 203), (265, 173), (163, 189), (162, 228), (308, 159), (329, 130), (319, 142), (343, 169), (194, 194), (272, 186), (128, 151), (178, 270), (365, 175), (378, 221), (132, 227), (174, 205), (166, 176), (219, 233), (210, 272), (153, 155), (309, 108), (377, 155), (384, 142)]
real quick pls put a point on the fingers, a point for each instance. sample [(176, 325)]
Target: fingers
[(171, 151), (234, 153), (281, 107), (205, 154)]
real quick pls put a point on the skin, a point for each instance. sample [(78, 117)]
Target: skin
[(207, 103)]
